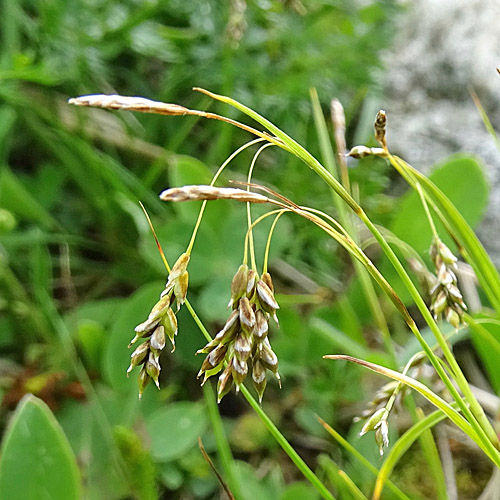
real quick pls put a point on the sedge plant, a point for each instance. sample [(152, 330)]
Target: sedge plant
[(242, 350)]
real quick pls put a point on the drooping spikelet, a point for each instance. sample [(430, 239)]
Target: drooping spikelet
[(446, 299), (243, 345), (160, 324), (386, 399)]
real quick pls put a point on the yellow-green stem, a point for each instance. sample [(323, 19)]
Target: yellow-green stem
[(214, 180), (427, 211), (249, 212), (268, 243)]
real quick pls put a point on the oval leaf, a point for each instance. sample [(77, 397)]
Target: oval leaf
[(36, 459), (175, 429)]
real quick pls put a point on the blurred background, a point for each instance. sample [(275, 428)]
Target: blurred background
[(79, 268)]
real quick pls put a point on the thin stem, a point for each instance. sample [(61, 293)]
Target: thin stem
[(484, 428), (269, 237), (359, 457), (257, 221), (249, 212), (287, 447), (356, 493), (223, 448), (392, 399), (214, 180), (294, 456), (427, 211), (338, 120)]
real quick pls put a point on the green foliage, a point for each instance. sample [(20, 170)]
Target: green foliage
[(174, 430), (36, 460), (454, 177), (77, 256)]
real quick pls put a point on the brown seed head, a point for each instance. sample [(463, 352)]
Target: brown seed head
[(157, 341), (169, 322), (252, 278), (138, 356), (225, 382), (259, 378), (142, 380), (359, 152), (266, 297), (247, 315), (129, 104), (153, 367), (379, 125), (201, 192), (239, 285)]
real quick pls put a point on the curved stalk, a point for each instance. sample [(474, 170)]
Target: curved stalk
[(475, 414), (249, 213), (214, 180)]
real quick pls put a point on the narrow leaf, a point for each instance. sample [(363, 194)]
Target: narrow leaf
[(440, 403)]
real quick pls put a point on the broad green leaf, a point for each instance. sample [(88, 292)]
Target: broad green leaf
[(132, 312), (462, 180), (251, 486), (175, 429), (36, 459), (91, 337)]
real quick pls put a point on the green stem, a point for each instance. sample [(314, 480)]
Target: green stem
[(356, 493), (214, 180), (427, 211), (287, 447), (360, 458), (223, 448), (331, 165), (482, 425), (268, 243), (249, 212), (431, 452)]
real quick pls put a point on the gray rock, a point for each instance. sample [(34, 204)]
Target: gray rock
[(441, 50)]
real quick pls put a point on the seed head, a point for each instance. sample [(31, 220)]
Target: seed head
[(244, 338), (379, 125), (446, 299), (201, 192), (239, 285), (138, 356), (160, 324), (359, 152), (128, 103)]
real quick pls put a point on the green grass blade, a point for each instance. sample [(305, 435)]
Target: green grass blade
[(287, 447), (275, 432), (360, 458), (438, 402), (357, 494), (401, 446), (431, 452), (470, 246), (366, 284)]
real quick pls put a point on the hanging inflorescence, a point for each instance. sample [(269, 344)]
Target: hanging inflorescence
[(161, 323), (244, 338)]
